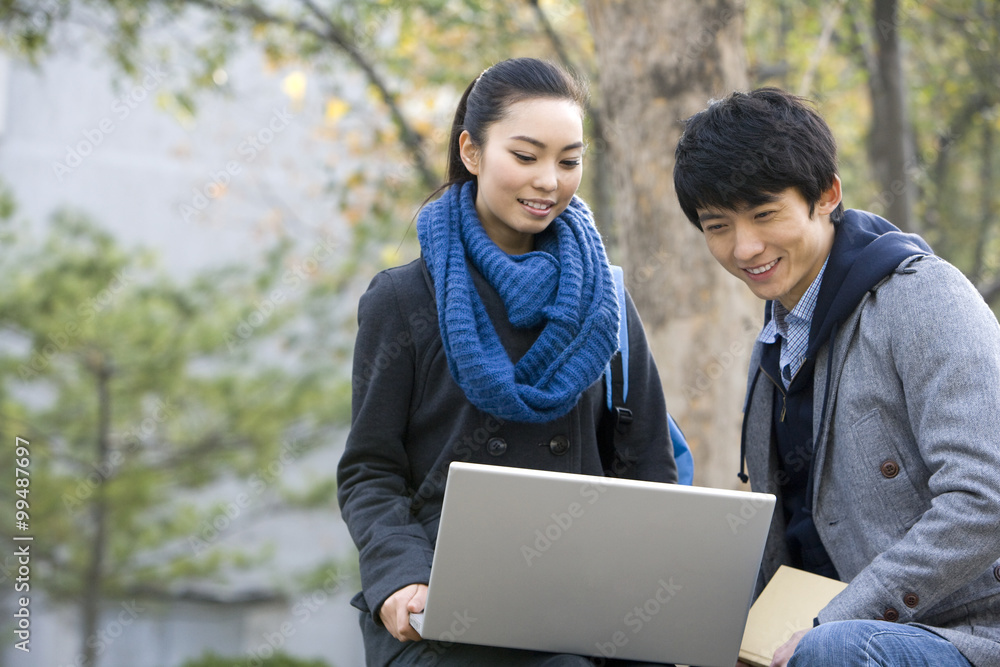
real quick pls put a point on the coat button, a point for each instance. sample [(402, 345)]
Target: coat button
[(996, 573), (889, 469), (890, 615), (496, 446), (911, 600), (559, 445)]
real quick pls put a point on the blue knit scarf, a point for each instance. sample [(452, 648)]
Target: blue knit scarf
[(564, 286)]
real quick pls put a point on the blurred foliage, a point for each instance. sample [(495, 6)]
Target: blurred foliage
[(331, 576), (275, 660), (135, 392), (951, 63), (413, 59)]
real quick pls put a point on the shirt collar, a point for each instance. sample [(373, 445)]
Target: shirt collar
[(802, 313)]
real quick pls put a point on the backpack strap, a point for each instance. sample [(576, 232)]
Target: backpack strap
[(682, 453), (616, 391), (617, 421), (621, 359)]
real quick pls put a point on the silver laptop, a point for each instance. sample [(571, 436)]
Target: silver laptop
[(594, 566)]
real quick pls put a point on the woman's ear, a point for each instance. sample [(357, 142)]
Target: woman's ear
[(469, 152), (830, 198)]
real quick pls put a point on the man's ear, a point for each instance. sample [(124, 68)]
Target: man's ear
[(830, 198), (469, 152)]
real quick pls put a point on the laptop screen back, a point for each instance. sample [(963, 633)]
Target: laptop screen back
[(595, 566)]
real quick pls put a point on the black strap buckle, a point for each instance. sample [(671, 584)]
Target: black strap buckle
[(623, 420)]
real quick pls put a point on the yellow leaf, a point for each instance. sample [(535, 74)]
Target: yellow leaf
[(336, 108), (423, 127), (408, 43), (355, 180), (294, 85), (390, 255), (353, 216)]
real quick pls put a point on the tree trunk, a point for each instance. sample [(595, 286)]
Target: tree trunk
[(659, 63), (90, 604), (987, 210), (889, 147), (598, 169)]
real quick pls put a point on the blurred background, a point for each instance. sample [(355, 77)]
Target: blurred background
[(194, 193)]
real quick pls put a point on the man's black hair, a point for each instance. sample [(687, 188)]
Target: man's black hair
[(748, 147)]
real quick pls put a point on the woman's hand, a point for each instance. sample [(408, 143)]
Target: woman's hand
[(395, 611)]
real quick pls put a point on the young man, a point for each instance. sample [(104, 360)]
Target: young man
[(873, 402)]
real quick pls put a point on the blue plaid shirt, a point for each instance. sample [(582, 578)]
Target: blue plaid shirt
[(793, 329)]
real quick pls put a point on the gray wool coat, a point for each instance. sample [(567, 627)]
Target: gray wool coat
[(410, 420), (906, 466)]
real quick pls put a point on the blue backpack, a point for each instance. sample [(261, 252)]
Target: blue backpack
[(617, 393)]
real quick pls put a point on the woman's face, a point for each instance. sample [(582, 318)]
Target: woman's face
[(528, 169)]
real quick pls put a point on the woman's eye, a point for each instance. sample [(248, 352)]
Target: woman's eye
[(571, 163), (524, 158)]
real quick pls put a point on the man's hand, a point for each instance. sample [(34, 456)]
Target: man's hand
[(395, 611), (785, 651)]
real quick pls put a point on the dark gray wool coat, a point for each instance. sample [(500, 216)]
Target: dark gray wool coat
[(410, 420)]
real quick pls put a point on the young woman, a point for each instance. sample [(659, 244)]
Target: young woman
[(490, 348)]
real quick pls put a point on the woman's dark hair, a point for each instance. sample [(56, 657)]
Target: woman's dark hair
[(488, 98), (744, 149)]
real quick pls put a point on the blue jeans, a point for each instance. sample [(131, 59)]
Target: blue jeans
[(874, 644)]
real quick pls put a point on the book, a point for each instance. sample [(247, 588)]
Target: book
[(789, 603)]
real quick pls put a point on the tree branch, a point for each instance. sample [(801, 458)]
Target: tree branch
[(550, 32), (560, 49), (601, 205), (830, 18), (860, 32), (411, 139), (101, 367), (987, 208), (332, 34), (953, 133)]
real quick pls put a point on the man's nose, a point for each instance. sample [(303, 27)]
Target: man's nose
[(748, 243)]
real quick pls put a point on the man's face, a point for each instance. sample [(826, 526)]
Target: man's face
[(776, 248)]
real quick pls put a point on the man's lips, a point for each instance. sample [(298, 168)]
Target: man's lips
[(762, 271)]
